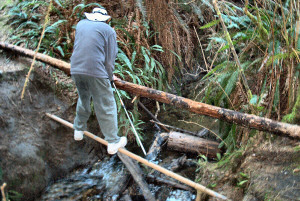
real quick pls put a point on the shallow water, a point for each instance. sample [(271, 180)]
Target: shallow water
[(92, 182)]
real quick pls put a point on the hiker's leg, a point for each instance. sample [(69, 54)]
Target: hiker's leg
[(83, 108), (105, 109)]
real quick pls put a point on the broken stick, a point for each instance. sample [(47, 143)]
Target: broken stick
[(136, 173)]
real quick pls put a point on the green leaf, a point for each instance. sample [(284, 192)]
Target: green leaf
[(244, 175), (242, 182), (254, 99), (123, 58), (59, 48), (157, 48), (218, 156), (210, 24)]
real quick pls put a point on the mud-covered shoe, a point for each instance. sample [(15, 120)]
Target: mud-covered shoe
[(78, 135), (113, 148)]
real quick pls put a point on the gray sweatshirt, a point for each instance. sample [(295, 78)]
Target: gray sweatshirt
[(95, 49)]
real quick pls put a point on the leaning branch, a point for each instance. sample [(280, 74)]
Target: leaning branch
[(243, 119)]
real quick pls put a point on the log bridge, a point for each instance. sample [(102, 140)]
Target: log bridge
[(169, 173), (230, 116)]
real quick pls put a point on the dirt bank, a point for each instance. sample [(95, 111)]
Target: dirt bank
[(264, 171), (34, 150)]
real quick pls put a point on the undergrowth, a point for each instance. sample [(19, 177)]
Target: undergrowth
[(266, 39), (154, 47), (136, 61)]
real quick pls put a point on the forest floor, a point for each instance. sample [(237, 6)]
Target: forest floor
[(268, 169)]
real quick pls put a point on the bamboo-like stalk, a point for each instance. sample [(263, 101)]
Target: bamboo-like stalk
[(146, 162), (3, 192), (37, 49), (228, 38)]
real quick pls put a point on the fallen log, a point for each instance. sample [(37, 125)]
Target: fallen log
[(243, 119), (116, 191), (156, 146), (164, 181), (136, 173), (191, 144), (62, 65)]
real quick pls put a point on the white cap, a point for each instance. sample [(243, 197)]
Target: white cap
[(98, 14)]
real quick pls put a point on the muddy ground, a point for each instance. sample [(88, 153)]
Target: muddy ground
[(34, 150)]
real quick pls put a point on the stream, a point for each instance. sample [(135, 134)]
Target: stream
[(95, 181), (92, 182)]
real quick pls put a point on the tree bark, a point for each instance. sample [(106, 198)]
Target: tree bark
[(191, 144), (156, 146), (136, 173), (243, 119), (62, 65)]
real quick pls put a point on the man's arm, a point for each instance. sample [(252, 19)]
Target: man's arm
[(111, 54)]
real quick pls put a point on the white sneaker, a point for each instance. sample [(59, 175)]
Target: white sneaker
[(113, 148), (78, 135)]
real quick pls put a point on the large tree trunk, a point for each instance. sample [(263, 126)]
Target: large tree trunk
[(62, 65), (191, 144), (246, 120)]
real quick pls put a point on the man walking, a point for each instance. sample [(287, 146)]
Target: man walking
[(92, 65)]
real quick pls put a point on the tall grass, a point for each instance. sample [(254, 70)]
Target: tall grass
[(266, 39)]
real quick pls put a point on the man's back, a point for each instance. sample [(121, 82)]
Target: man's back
[(95, 49)]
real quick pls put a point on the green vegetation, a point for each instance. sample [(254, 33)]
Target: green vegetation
[(268, 51), (158, 51)]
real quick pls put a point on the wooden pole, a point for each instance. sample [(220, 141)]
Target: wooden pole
[(243, 119), (146, 162)]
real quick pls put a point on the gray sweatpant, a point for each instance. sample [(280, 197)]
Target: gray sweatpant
[(100, 90)]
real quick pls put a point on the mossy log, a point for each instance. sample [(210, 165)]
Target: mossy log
[(243, 119)]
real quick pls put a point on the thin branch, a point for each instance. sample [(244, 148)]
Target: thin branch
[(190, 122), (37, 49), (206, 65)]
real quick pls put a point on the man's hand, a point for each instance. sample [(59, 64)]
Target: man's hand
[(115, 78)]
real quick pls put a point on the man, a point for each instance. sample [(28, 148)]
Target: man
[(92, 65)]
